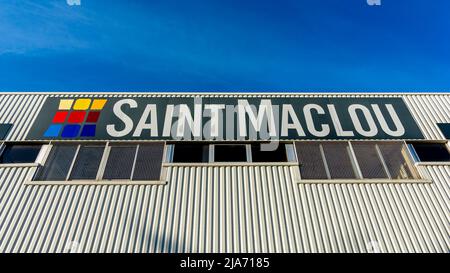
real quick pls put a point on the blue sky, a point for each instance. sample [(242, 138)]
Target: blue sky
[(233, 45)]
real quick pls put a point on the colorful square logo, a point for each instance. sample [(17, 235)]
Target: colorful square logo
[(75, 118)]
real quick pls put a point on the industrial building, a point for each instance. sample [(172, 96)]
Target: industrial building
[(224, 172)]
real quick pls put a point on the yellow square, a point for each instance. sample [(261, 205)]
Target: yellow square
[(65, 104), (82, 104), (98, 104)]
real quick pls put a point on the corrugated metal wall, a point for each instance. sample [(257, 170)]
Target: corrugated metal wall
[(225, 209), (429, 110)]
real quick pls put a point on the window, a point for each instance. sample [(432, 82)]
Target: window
[(100, 162), (148, 161), (325, 160), (120, 162), (207, 152), (190, 152), (445, 129), (4, 130), (58, 163), (19, 153), (87, 162), (337, 157), (261, 155), (354, 160), (369, 160), (136, 162), (431, 152), (397, 160), (230, 153), (312, 165)]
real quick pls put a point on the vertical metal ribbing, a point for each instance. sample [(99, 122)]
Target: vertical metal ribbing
[(242, 208)]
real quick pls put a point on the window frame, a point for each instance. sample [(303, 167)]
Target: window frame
[(36, 162), (292, 160), (415, 157), (359, 176), (443, 126), (99, 180), (289, 153), (171, 151), (248, 153), (106, 155), (74, 160), (291, 156)]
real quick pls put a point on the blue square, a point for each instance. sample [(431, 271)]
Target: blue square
[(88, 130), (53, 131), (71, 130)]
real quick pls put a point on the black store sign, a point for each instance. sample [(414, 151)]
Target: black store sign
[(227, 118)]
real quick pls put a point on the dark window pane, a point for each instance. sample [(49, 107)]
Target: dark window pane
[(368, 160), (20, 153), (310, 160), (120, 162), (148, 161), (57, 164), (230, 153), (278, 155), (445, 129), (192, 152), (338, 160), (437, 152), (87, 162), (4, 130), (395, 156)]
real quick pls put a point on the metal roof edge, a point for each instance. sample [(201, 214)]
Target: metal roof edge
[(260, 93)]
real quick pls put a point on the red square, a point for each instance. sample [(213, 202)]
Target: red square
[(60, 116), (93, 116), (77, 116)]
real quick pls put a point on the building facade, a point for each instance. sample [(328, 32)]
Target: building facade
[(178, 172)]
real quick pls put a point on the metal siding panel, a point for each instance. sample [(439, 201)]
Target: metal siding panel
[(426, 109), (97, 226), (225, 209), (429, 110)]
